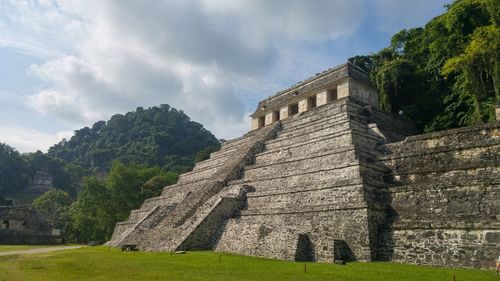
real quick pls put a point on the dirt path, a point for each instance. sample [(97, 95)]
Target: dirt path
[(38, 251)]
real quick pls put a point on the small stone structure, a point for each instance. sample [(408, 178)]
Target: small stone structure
[(326, 176), (42, 182), (21, 225)]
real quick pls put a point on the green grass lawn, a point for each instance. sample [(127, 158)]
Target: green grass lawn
[(96, 263), (4, 248)]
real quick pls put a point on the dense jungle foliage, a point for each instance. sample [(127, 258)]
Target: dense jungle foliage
[(441, 76), (158, 136), (103, 172), (446, 74)]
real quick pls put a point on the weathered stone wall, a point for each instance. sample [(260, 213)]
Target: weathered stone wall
[(308, 185), (21, 225), (444, 198), (340, 181), (165, 222), (276, 234)]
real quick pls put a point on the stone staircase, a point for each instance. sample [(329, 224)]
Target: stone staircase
[(309, 181), (170, 221), (341, 181)]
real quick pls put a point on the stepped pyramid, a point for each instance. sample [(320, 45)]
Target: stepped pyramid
[(325, 175)]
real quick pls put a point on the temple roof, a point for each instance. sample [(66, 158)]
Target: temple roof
[(318, 81)]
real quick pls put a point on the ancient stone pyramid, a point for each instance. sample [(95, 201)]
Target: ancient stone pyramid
[(325, 175)]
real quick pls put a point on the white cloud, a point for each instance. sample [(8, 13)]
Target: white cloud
[(38, 28), (104, 57), (29, 140), (192, 55)]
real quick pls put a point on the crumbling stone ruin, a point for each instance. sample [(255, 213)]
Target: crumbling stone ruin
[(325, 175), (21, 225), (41, 183)]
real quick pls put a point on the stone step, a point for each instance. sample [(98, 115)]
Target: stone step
[(319, 113), (313, 126), (328, 120), (445, 159), (206, 174), (137, 215), (333, 142), (177, 188), (283, 142), (314, 114), (389, 151), (201, 227), (304, 209), (340, 196), (193, 179), (240, 141), (316, 162), (277, 181), (223, 152), (453, 201), (472, 173), (161, 201), (211, 162), (484, 134), (457, 224), (307, 187), (201, 170), (217, 158)]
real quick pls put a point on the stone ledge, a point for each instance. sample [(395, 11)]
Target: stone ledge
[(197, 170), (443, 225), (441, 186), (430, 170), (309, 157), (352, 164), (313, 140), (301, 188), (440, 134), (332, 127), (342, 114), (434, 150), (314, 209)]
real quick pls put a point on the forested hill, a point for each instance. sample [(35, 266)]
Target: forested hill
[(446, 74), (157, 136)]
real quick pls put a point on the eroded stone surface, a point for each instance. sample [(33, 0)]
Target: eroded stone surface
[(341, 180)]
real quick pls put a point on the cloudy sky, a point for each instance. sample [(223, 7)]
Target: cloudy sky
[(65, 64)]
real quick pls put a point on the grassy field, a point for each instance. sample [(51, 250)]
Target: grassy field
[(97, 263), (4, 248)]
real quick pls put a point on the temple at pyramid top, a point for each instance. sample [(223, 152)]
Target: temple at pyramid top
[(347, 80)]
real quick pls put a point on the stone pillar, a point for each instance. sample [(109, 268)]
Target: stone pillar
[(321, 98), (269, 118), (284, 112), (303, 105), (255, 123), (343, 89), (497, 111), (359, 91)]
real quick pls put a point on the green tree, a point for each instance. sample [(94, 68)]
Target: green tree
[(157, 136), (205, 153), (102, 203), (154, 186), (446, 74), (91, 214), (14, 175), (50, 204)]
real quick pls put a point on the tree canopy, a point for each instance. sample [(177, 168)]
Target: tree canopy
[(160, 136), (103, 202), (50, 205), (13, 170), (446, 74)]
